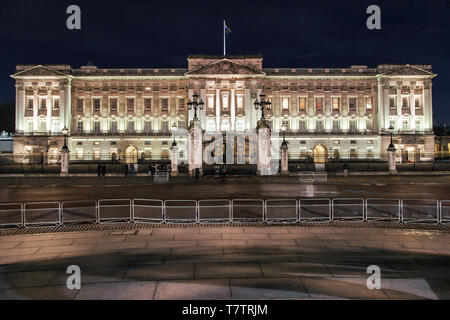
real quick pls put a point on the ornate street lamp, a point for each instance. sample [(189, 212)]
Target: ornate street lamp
[(283, 129), (195, 104), (65, 132), (174, 129), (391, 145), (262, 104)]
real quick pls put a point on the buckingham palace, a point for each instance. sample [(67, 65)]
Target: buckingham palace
[(129, 114)]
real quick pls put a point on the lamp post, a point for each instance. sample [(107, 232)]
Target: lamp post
[(262, 104), (284, 154), (65, 155), (391, 153), (174, 154), (195, 104)]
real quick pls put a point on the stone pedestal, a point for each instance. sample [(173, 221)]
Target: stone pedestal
[(195, 148), (391, 159), (64, 162), (264, 167), (174, 160), (284, 159)]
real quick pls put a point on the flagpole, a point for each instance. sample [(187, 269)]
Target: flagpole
[(224, 39)]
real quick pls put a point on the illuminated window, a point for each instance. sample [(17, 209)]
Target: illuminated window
[(80, 104), (286, 124), (97, 127), (43, 103), (147, 126), (55, 125), (79, 153), (418, 125), (225, 102), (368, 103), (302, 103), (336, 126), (181, 104), (30, 103), (30, 125), (369, 125), (96, 154), (165, 104), (113, 104), (181, 124), (405, 125), (96, 104), (404, 102), (417, 102), (319, 103), (210, 102), (302, 126), (352, 127), (56, 104), (42, 125), (285, 103), (80, 127), (319, 126), (113, 126), (147, 104), (335, 103), (392, 103), (165, 126), (352, 104), (130, 127), (240, 102), (130, 105)]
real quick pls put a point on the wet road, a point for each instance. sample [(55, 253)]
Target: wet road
[(87, 188)]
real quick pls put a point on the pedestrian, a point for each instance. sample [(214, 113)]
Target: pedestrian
[(224, 172), (125, 167), (150, 170), (104, 170), (131, 169), (99, 170)]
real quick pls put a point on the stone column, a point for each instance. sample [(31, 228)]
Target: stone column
[(284, 159), (195, 147), (264, 155), (65, 162), (428, 106), (20, 107), (391, 159), (35, 110), (248, 107), (380, 104), (412, 106), (49, 109), (399, 104), (233, 110), (174, 159), (218, 104)]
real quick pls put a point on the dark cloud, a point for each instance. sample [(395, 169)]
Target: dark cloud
[(287, 33)]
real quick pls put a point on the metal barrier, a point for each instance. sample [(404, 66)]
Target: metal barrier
[(148, 210), (42, 213), (444, 206), (248, 210), (110, 210), (281, 210), (420, 210), (314, 209), (224, 210), (214, 210), (11, 214), (347, 209), (79, 211), (383, 209), (180, 211)]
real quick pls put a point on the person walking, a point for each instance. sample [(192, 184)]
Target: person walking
[(99, 170), (103, 170), (131, 169), (125, 167)]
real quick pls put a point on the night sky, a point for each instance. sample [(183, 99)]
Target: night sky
[(287, 34)]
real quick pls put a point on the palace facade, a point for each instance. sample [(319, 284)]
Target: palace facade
[(328, 113)]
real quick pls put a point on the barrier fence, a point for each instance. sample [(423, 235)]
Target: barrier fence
[(224, 211)]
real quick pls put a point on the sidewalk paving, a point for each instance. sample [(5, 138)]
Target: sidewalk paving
[(227, 263)]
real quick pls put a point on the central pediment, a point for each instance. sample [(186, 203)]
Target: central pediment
[(408, 70), (40, 71), (225, 67)]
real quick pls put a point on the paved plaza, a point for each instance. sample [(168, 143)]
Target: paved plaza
[(227, 262)]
